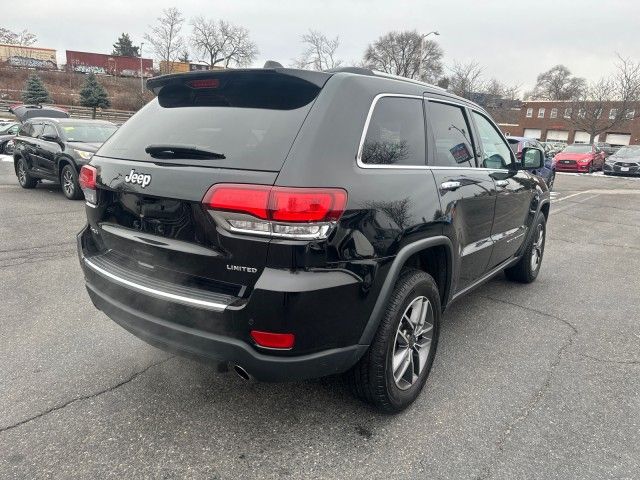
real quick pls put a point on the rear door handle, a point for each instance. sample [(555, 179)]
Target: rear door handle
[(502, 183), (450, 186)]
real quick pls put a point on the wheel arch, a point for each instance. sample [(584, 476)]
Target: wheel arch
[(61, 162), (426, 255)]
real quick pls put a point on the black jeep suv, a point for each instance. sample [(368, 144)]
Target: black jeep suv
[(55, 149), (296, 224)]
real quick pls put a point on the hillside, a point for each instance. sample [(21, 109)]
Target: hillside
[(64, 87)]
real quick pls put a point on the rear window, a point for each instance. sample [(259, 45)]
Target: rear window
[(252, 120)]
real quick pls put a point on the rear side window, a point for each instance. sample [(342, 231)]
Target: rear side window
[(451, 135), (251, 119), (395, 134)]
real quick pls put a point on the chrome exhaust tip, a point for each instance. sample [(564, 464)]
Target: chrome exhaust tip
[(242, 373)]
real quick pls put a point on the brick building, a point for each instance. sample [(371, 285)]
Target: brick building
[(549, 121)]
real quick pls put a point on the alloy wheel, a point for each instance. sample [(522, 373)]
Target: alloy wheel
[(22, 174), (536, 251), (412, 343), (67, 183)]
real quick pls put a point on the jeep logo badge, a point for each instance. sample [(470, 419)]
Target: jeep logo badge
[(141, 179)]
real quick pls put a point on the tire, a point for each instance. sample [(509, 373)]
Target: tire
[(24, 179), (591, 168), (528, 267), (372, 378), (69, 182)]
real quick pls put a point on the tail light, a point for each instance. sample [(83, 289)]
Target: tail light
[(87, 180), (286, 212)]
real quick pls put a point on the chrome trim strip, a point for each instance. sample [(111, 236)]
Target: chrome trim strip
[(364, 135), (488, 276), (411, 167), (152, 291)]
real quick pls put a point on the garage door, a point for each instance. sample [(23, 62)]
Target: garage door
[(618, 139), (533, 133), (557, 136), (581, 137)]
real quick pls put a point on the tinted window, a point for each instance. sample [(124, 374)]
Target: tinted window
[(395, 135), (451, 135), (252, 119), (495, 152)]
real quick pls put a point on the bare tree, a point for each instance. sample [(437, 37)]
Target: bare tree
[(496, 88), (223, 43), (23, 38), (465, 78), (165, 37), (320, 52), (558, 83), (407, 54), (608, 103)]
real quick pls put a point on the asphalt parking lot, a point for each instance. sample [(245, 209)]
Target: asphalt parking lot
[(539, 381)]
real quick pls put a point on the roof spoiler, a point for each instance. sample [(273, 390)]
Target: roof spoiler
[(155, 84)]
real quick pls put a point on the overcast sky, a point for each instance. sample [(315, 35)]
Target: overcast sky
[(513, 40)]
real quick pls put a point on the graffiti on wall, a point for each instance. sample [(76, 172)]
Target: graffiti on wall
[(28, 62), (89, 69)]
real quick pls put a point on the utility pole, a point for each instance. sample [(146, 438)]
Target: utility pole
[(141, 77), (436, 33)]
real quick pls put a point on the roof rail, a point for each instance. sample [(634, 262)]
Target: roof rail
[(358, 70), (405, 79)]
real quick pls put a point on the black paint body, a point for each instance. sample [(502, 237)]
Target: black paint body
[(329, 293)]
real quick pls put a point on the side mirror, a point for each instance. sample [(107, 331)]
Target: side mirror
[(532, 159), (50, 138)]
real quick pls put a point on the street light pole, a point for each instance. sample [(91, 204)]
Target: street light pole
[(422, 39), (141, 77)]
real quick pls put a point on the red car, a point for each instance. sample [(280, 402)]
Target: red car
[(579, 158)]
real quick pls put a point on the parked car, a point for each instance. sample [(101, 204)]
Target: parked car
[(547, 172), (607, 148), (297, 224), (553, 148), (579, 157), (55, 149), (9, 146), (7, 132), (626, 161)]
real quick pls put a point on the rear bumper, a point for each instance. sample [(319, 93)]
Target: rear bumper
[(194, 343), (326, 339)]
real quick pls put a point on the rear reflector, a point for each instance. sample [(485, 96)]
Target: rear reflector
[(273, 340), (291, 212)]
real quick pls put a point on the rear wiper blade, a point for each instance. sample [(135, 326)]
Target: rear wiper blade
[(182, 151)]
